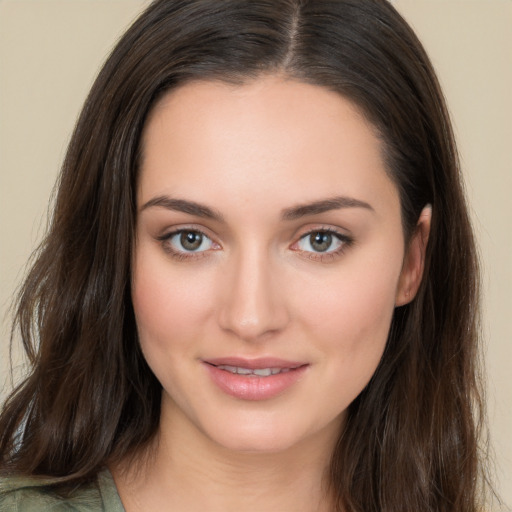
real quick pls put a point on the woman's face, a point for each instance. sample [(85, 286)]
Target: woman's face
[(268, 261)]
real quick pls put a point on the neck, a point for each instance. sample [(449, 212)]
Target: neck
[(186, 471)]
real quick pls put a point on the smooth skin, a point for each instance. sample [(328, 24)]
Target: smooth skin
[(267, 226)]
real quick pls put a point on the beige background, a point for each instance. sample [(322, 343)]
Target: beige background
[(50, 51)]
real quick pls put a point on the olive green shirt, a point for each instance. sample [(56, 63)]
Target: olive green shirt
[(38, 495)]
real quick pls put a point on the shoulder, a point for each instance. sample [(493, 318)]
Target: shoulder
[(21, 494)]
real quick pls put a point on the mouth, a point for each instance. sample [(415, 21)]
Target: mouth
[(262, 367), (258, 372), (254, 379)]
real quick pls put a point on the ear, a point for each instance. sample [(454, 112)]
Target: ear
[(414, 260)]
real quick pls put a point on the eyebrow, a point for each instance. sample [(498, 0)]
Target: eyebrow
[(185, 206), (322, 206), (293, 213)]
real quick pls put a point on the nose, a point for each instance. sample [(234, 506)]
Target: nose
[(253, 303)]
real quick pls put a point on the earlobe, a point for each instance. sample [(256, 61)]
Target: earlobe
[(414, 259)]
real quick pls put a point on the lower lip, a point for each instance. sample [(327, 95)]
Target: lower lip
[(253, 387)]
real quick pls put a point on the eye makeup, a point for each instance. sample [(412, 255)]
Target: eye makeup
[(322, 244), (187, 243)]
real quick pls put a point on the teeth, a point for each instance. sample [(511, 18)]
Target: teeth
[(264, 372), (259, 372), (231, 369)]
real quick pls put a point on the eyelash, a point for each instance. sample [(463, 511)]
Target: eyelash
[(166, 238), (345, 241), (325, 257)]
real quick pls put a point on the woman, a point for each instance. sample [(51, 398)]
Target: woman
[(259, 289)]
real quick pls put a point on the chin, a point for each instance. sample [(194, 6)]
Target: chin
[(256, 442), (267, 435)]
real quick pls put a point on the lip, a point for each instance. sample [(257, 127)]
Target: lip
[(253, 387), (254, 364)]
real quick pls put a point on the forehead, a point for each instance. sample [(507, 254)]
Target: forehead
[(267, 136)]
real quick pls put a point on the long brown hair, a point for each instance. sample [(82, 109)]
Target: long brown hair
[(411, 439)]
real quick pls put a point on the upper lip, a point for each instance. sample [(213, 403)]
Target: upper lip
[(254, 364)]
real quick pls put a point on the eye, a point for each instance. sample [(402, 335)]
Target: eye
[(188, 240), (322, 241)]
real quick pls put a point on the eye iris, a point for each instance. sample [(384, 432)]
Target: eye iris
[(320, 241), (191, 240)]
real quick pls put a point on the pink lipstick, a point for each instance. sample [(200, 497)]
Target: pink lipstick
[(254, 379)]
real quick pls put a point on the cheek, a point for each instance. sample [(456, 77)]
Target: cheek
[(356, 324), (351, 300), (351, 328), (169, 308), (349, 317)]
